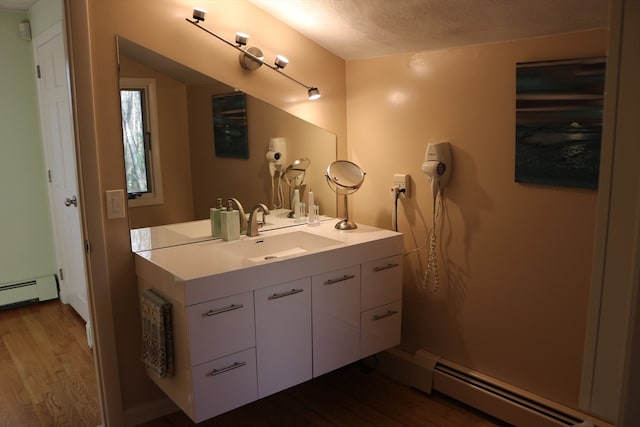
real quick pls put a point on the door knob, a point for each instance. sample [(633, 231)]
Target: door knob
[(71, 201)]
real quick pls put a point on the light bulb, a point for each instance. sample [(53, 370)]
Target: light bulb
[(199, 14), (314, 93), (242, 38), (281, 61)]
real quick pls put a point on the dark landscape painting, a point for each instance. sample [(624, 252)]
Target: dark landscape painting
[(559, 108), (230, 125)]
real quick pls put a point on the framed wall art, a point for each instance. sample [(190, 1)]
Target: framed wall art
[(559, 113), (230, 125)]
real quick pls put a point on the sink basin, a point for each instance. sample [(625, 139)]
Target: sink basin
[(265, 248)]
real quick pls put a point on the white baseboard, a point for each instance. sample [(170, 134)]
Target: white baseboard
[(508, 403), (149, 411)]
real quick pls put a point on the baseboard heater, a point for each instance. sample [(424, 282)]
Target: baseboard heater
[(510, 404), (28, 291)]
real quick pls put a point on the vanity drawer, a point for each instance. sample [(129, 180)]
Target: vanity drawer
[(381, 282), (220, 327), (224, 384), (335, 318), (380, 328), (283, 335)]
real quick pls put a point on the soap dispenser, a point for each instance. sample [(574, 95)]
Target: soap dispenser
[(230, 223), (215, 219)]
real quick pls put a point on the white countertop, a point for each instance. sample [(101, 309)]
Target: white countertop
[(204, 271), (203, 259)]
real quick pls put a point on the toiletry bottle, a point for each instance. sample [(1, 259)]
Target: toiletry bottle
[(295, 204), (310, 204), (215, 219), (230, 223)]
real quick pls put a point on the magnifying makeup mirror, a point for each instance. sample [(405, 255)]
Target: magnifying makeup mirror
[(294, 173), (294, 176), (345, 177)]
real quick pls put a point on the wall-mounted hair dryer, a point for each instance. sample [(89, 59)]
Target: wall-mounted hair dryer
[(277, 154), (437, 165)]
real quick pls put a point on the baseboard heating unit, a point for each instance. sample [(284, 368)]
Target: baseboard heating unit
[(510, 404), (28, 291)]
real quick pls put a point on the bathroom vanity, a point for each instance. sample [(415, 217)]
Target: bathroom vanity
[(258, 315)]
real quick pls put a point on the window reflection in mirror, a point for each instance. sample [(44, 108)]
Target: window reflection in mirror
[(192, 176), (138, 107)]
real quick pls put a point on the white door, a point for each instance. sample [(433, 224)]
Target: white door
[(58, 139)]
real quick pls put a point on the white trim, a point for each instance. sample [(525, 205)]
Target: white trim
[(410, 370), (608, 363)]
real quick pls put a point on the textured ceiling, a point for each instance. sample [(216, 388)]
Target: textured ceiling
[(355, 29)]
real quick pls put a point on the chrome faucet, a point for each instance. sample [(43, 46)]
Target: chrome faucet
[(252, 229), (243, 218)]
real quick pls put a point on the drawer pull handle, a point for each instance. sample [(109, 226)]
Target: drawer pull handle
[(222, 310), (235, 365), (386, 267), (387, 314), (341, 279), (285, 294)]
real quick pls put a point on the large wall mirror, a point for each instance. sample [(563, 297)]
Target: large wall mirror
[(184, 175)]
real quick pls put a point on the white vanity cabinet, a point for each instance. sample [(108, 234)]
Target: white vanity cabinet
[(357, 312), (222, 354), (246, 326), (381, 296), (336, 319), (283, 335)]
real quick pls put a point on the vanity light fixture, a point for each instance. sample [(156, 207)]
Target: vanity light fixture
[(251, 58)]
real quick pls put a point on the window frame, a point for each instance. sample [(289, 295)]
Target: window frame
[(148, 87)]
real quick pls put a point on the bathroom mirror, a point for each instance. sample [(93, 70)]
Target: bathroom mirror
[(192, 177)]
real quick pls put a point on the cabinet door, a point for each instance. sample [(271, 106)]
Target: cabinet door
[(336, 319), (381, 282), (220, 327), (224, 384), (380, 328), (283, 335)]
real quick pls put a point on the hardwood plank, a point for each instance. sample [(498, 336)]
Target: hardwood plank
[(14, 400), (47, 374)]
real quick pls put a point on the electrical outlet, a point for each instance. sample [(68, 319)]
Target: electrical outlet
[(401, 181)]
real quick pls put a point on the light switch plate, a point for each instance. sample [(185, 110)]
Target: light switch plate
[(115, 204)]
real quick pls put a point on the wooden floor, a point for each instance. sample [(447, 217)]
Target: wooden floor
[(47, 375), (347, 397), (47, 378)]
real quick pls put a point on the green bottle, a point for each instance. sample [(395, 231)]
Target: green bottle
[(215, 219)]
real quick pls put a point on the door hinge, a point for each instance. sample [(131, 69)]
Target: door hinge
[(49, 176), (61, 275), (87, 246), (38, 72)]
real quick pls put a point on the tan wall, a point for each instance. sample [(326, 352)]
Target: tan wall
[(173, 143), (515, 260), (161, 27)]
